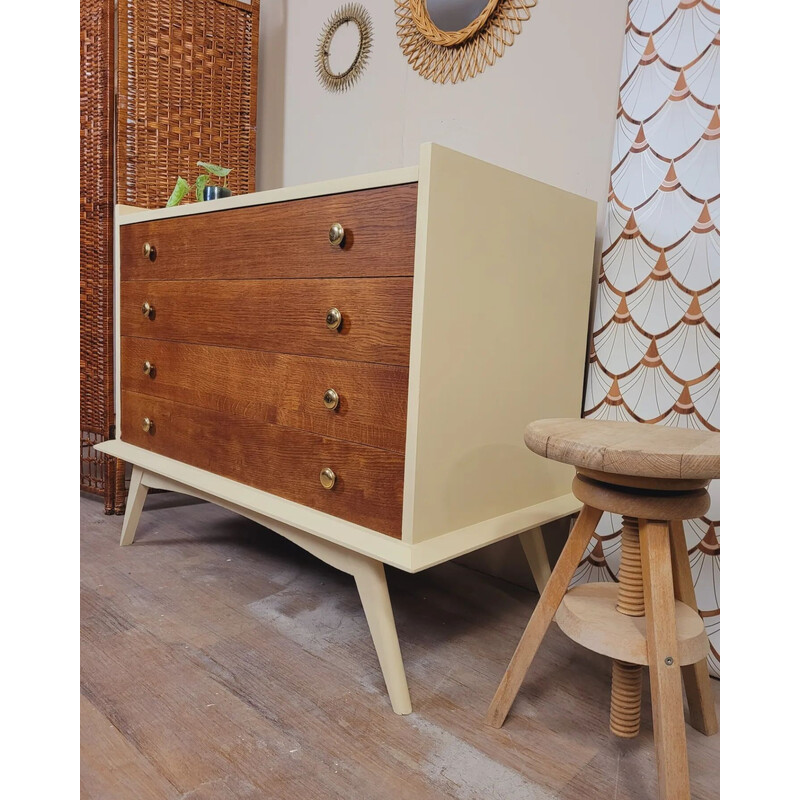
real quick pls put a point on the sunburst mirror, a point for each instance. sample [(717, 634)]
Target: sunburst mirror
[(343, 47), (452, 40)]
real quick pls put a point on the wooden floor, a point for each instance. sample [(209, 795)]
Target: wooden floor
[(220, 662)]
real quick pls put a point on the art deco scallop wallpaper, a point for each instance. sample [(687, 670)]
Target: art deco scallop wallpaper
[(654, 353)]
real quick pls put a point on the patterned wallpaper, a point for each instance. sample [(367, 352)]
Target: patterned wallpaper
[(654, 354)]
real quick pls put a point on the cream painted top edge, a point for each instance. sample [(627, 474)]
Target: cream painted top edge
[(430, 146), (127, 215)]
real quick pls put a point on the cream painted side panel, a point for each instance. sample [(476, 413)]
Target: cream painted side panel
[(501, 311)]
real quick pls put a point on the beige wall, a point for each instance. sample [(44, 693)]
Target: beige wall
[(545, 109)]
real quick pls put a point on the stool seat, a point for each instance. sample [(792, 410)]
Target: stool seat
[(627, 448)]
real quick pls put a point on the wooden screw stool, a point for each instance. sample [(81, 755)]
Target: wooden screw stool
[(656, 477)]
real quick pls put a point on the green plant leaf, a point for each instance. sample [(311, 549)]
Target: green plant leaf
[(201, 183), (213, 169), (178, 193)]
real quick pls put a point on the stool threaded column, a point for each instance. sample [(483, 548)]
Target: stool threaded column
[(630, 600), (626, 679), (626, 699)]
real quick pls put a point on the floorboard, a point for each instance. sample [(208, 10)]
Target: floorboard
[(220, 661)]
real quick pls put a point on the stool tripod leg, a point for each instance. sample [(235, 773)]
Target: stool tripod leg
[(702, 714), (543, 615), (669, 728)]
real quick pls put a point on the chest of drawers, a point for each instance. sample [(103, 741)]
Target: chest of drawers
[(352, 363)]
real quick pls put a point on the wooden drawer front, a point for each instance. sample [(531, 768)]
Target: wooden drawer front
[(283, 316), (280, 240), (276, 388), (282, 461)]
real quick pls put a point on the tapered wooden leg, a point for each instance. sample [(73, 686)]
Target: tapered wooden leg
[(368, 573), (669, 728), (133, 510), (546, 608), (532, 542), (371, 583), (696, 681)]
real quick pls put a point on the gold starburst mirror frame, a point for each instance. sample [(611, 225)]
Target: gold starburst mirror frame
[(442, 52), (352, 13)]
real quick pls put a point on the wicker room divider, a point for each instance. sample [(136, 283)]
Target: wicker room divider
[(99, 473), (187, 92), (186, 75)]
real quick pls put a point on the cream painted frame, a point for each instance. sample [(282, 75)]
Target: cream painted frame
[(496, 200)]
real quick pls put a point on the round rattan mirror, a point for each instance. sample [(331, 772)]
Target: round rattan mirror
[(343, 47), (452, 40)]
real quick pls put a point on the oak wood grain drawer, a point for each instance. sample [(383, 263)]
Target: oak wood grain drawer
[(283, 461), (275, 388), (283, 316), (280, 240)]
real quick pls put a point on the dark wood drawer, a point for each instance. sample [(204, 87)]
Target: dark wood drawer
[(274, 387), (286, 462), (280, 240), (283, 316)]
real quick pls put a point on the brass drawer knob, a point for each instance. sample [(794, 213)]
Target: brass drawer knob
[(147, 424), (149, 251), (148, 310), (331, 399), (327, 478), (149, 368), (336, 235), (333, 319)]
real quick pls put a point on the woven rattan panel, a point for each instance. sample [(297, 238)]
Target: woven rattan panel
[(187, 92), (98, 472)]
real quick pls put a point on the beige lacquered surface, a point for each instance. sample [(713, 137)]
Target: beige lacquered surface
[(502, 282), (627, 448)]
